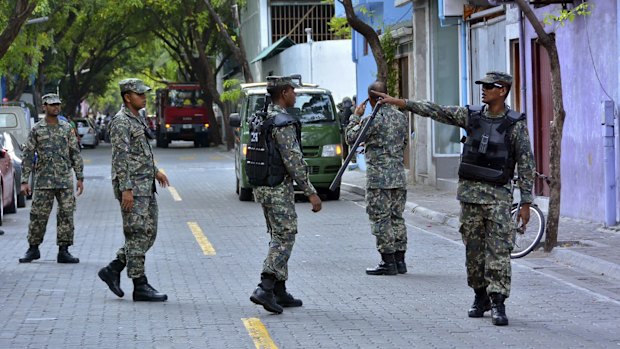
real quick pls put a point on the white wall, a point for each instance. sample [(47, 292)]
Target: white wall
[(330, 66)]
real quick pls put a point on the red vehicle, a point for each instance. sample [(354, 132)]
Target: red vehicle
[(181, 115)]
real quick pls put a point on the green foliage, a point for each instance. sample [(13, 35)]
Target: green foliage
[(340, 27), (583, 9), (390, 46), (232, 91)]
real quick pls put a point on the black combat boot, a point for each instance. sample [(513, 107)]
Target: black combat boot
[(284, 298), (263, 294), (32, 254), (65, 257), (482, 303), (111, 275), (498, 310), (387, 266), (401, 266), (143, 292)]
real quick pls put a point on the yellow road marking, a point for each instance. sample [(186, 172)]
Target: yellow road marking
[(216, 157), (202, 240), (87, 161), (175, 194), (188, 157), (259, 333)]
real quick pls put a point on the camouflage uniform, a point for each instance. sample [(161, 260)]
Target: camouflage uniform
[(133, 168), (386, 183), (279, 202), (486, 226), (57, 154)]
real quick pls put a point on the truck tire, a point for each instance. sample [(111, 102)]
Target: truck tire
[(161, 141), (245, 194), (204, 140)]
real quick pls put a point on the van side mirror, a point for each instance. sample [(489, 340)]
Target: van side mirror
[(234, 120)]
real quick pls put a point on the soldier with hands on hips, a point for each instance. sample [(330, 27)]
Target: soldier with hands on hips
[(497, 141), (274, 191), (58, 153), (133, 180), (386, 182)]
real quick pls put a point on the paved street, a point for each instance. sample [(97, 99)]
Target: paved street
[(208, 258)]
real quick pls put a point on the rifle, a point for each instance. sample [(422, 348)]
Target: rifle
[(360, 138)]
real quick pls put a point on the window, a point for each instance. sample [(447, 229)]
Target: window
[(292, 20), (8, 120)]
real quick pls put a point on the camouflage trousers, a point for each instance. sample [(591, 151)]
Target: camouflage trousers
[(487, 232), (385, 210), (42, 203), (140, 229), (279, 209)]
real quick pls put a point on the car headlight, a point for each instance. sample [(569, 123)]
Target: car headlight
[(331, 150)]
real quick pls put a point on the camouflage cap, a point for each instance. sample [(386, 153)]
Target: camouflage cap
[(496, 76), (274, 81), (134, 85), (50, 98)]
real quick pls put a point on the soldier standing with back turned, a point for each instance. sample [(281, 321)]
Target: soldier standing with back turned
[(497, 140), (133, 181), (57, 154), (277, 196)]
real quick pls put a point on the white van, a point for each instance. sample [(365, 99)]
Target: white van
[(15, 119)]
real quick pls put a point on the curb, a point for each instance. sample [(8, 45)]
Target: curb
[(412, 207), (567, 257)]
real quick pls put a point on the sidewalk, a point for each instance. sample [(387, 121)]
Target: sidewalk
[(581, 244)]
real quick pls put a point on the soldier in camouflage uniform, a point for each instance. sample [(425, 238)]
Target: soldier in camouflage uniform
[(278, 204), (486, 225), (133, 180), (57, 154), (386, 182)]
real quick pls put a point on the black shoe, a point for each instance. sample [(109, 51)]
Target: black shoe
[(401, 266), (498, 310), (111, 275), (143, 292), (263, 295), (387, 266), (482, 303), (284, 298), (65, 257), (32, 254)]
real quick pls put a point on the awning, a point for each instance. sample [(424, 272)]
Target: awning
[(274, 49)]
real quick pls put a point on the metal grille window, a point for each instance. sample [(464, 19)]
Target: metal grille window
[(292, 19)]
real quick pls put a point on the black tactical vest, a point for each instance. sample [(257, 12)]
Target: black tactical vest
[(263, 164), (487, 152)]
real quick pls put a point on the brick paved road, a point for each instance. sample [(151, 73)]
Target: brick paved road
[(47, 305)]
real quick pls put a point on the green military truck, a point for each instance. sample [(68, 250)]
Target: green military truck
[(321, 135)]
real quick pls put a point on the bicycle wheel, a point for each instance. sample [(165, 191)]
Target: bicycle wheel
[(526, 240)]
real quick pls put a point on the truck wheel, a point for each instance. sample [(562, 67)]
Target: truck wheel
[(245, 194), (204, 141), (333, 195), (197, 143)]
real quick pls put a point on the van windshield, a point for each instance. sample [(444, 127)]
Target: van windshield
[(8, 120), (309, 107), (185, 98)]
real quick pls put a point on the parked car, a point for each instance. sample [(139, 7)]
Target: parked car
[(15, 118), (14, 149), (7, 182), (87, 132)]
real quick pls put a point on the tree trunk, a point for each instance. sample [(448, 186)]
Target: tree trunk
[(371, 37), (557, 127), (23, 9)]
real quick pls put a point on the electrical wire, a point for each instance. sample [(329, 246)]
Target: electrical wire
[(592, 58)]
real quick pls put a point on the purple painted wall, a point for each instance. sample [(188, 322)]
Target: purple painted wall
[(582, 144)]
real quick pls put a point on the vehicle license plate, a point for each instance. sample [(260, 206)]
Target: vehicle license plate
[(187, 125)]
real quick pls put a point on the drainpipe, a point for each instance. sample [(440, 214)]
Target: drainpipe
[(522, 64), (464, 69), (609, 160), (309, 39)]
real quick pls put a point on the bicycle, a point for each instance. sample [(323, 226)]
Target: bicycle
[(527, 238)]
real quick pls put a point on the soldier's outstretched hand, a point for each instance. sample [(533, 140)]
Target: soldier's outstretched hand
[(162, 179), (315, 200), (387, 99), (80, 187)]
